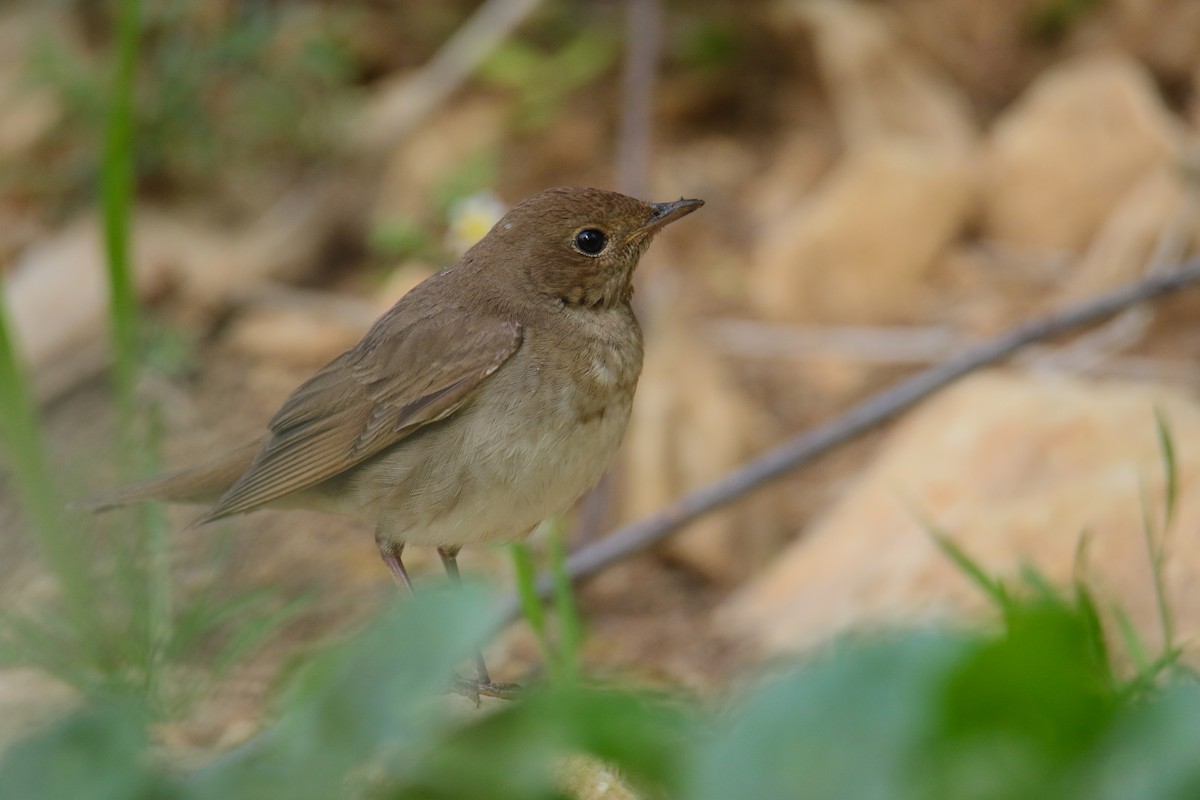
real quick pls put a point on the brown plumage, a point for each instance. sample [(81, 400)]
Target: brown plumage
[(487, 399)]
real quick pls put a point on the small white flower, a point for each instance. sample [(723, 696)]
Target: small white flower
[(471, 218)]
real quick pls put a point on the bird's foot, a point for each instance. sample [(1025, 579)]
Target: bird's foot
[(474, 688)]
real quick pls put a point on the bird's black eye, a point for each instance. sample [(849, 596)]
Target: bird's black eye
[(590, 241)]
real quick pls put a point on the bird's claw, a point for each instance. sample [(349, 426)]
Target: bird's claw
[(473, 689)]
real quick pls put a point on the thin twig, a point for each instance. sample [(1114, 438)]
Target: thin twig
[(870, 413), (644, 41), (870, 344)]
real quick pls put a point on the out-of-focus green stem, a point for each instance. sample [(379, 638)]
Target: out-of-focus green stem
[(570, 629), (25, 457), (151, 598), (531, 604), (117, 183)]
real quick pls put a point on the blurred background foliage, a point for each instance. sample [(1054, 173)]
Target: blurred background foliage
[(1031, 707)]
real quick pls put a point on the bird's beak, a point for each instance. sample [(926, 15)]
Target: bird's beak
[(666, 213)]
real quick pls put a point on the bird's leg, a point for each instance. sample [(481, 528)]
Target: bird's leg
[(449, 557), (483, 681), (390, 551)]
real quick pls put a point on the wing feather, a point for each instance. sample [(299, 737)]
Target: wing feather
[(397, 379)]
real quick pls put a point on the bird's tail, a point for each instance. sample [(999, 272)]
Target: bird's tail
[(202, 485)]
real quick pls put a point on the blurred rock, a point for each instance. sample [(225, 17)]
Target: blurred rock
[(796, 167), (403, 279), (58, 291), (1015, 469), (1070, 148), (215, 263), (690, 425), (440, 150), (1158, 219), (986, 46), (57, 297), (307, 335), (881, 88), (1161, 33), (900, 121), (860, 248)]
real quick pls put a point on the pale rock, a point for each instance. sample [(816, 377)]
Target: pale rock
[(1059, 160), (299, 336), (214, 264), (881, 88), (1015, 469), (857, 246), (797, 166), (860, 248), (57, 298), (690, 425), (57, 293), (1158, 220)]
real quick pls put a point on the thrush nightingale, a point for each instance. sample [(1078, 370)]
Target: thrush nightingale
[(487, 399)]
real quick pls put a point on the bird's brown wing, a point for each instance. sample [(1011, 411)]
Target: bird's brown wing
[(371, 397)]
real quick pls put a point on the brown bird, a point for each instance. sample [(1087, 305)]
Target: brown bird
[(487, 399)]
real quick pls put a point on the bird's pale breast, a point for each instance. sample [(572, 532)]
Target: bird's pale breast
[(539, 433)]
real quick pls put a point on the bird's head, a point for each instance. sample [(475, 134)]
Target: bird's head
[(578, 245)]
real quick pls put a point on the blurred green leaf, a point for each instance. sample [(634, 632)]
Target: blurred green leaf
[(544, 79), (399, 238), (850, 724), (98, 753), (517, 752), (1020, 710), (350, 702), (710, 44), (1153, 752), (251, 87), (1053, 19)]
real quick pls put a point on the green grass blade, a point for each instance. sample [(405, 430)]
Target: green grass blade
[(1156, 537), (117, 185), (992, 587), (1145, 678), (972, 569), (20, 431), (1166, 448), (531, 604), (570, 628), (1156, 554), (1135, 648)]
